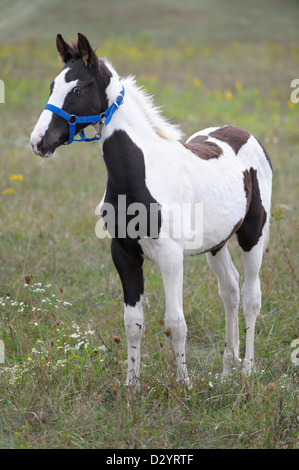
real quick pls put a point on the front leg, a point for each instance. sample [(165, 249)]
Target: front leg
[(170, 261), (129, 266), (134, 327)]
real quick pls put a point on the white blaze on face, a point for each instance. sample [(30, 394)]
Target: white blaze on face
[(60, 90)]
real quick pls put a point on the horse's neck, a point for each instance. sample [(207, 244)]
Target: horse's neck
[(128, 128), (123, 143), (135, 130), (131, 115)]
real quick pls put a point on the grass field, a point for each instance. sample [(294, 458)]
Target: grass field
[(208, 63)]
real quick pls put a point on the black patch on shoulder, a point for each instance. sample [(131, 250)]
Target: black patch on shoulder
[(126, 179), (235, 136), (203, 148), (251, 229), (137, 213)]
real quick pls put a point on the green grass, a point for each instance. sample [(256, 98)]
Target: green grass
[(62, 381)]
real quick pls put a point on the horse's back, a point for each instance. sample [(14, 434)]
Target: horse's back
[(234, 149)]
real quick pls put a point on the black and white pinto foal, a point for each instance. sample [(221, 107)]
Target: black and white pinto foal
[(226, 169)]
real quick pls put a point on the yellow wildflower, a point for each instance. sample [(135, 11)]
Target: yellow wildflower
[(273, 102), (9, 191), (291, 104), (16, 177), (238, 86), (132, 50), (197, 82), (228, 95)]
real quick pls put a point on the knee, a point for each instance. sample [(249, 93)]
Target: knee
[(229, 291), (176, 327), (133, 318), (251, 299)]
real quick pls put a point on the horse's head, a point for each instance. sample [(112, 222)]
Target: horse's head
[(79, 90)]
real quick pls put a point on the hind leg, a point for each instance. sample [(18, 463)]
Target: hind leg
[(251, 236), (251, 299), (228, 285)]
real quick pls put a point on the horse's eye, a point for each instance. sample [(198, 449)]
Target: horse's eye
[(77, 90)]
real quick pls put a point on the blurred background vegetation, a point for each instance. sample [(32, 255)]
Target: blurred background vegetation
[(208, 63)]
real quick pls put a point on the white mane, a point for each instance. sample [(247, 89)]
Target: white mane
[(160, 124)]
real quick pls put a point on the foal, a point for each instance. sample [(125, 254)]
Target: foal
[(225, 170)]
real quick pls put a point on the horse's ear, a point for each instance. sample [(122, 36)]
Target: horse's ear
[(63, 48), (89, 56)]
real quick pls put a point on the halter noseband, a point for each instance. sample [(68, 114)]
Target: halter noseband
[(103, 119)]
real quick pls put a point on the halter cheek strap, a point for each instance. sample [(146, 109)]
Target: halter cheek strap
[(103, 119)]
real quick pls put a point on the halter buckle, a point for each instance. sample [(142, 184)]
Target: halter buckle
[(72, 119), (115, 102), (101, 125)]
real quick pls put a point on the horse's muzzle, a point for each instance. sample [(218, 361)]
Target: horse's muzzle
[(38, 147)]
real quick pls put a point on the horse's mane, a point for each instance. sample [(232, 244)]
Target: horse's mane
[(153, 113), (159, 123)]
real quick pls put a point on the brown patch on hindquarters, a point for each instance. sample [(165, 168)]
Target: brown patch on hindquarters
[(203, 148), (234, 136), (247, 187), (251, 229)]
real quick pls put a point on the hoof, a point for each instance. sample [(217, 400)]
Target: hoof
[(185, 381), (133, 384), (230, 362)]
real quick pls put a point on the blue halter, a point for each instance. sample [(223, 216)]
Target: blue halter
[(103, 118)]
